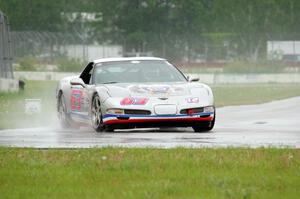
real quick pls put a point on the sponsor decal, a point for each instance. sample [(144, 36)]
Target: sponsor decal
[(76, 98), (134, 101), (192, 100), (155, 89)]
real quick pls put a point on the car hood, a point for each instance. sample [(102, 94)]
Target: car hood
[(156, 89)]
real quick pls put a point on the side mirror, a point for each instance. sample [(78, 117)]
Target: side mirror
[(77, 82), (193, 79)]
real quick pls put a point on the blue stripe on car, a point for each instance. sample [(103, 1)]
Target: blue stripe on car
[(155, 116), (83, 116)]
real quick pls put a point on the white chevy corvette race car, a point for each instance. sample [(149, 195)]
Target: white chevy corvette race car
[(139, 92)]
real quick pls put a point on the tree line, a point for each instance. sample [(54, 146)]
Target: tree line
[(214, 29)]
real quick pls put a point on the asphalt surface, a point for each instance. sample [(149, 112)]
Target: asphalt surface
[(275, 124)]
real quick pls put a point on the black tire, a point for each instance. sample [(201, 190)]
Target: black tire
[(62, 114), (97, 121), (202, 127), (109, 129)]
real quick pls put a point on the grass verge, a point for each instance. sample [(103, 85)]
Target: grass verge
[(12, 104), (242, 94), (150, 173)]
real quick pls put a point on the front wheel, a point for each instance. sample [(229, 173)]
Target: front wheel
[(63, 117), (97, 120), (204, 126)]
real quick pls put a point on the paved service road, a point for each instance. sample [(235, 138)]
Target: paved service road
[(271, 124)]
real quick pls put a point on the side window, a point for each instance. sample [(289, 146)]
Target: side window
[(91, 75), (87, 73), (92, 79)]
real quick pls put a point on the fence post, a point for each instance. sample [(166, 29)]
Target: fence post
[(5, 48), (1, 45)]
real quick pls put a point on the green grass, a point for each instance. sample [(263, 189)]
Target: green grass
[(150, 173), (12, 105), (226, 95), (146, 173)]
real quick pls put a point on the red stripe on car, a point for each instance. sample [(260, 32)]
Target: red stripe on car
[(122, 121)]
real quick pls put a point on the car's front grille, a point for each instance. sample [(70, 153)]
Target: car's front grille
[(137, 112), (195, 110)]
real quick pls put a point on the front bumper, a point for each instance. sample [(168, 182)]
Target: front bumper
[(140, 121)]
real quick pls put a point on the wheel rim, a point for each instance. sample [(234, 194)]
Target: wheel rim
[(96, 113)]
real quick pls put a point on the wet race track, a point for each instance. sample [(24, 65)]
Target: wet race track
[(271, 124)]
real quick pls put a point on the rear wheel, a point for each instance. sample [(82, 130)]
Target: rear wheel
[(62, 114), (97, 120), (204, 126)]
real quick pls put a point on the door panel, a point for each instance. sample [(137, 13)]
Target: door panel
[(76, 99), (79, 104)]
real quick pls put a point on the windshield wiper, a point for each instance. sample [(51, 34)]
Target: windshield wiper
[(110, 82)]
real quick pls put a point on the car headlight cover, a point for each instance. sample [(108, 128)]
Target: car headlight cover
[(115, 111), (209, 109)]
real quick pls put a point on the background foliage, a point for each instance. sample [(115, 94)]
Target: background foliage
[(237, 29)]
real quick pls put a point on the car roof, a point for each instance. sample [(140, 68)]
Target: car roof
[(128, 59)]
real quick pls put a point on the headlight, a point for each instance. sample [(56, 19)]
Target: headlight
[(209, 109), (115, 111)]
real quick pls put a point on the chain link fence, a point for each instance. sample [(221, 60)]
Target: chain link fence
[(6, 57), (47, 47), (44, 45)]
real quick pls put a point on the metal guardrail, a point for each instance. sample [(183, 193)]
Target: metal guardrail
[(6, 56)]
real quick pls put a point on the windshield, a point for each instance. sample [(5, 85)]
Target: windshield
[(136, 71)]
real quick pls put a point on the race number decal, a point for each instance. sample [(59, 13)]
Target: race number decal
[(76, 97)]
